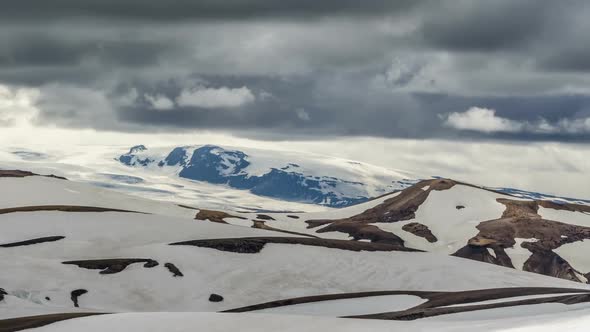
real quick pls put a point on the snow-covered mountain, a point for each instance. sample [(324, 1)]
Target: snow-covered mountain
[(272, 174), (72, 251)]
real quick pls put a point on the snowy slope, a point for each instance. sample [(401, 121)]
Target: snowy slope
[(548, 320), (37, 281)]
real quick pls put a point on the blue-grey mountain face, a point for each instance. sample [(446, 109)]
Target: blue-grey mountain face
[(130, 158), (213, 164)]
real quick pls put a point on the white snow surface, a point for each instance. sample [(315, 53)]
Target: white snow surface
[(577, 254), (452, 226), (567, 217), (545, 321), (519, 255), (349, 307)]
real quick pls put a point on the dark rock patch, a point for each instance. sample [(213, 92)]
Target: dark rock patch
[(30, 322), (521, 220), (264, 217), (22, 174), (420, 230), (215, 298), (173, 269), (47, 298), (459, 207), (399, 208), (481, 253), (550, 264), (435, 299), (62, 208), (32, 241), (363, 232), (252, 245), (2, 293), (76, 294), (261, 225), (425, 312), (215, 216), (292, 216), (111, 266), (187, 207)]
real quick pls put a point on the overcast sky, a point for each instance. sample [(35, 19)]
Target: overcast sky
[(510, 70)]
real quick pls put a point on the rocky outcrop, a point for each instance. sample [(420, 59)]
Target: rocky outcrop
[(174, 270), (398, 208), (420, 230), (111, 266), (32, 241), (252, 245), (22, 174), (62, 208), (521, 220), (76, 294), (215, 216)]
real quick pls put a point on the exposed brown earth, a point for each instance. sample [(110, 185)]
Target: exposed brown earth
[(22, 174), (262, 225), (32, 241), (63, 208), (438, 302), (214, 216), (188, 207), (264, 217), (110, 266), (76, 294), (174, 270), (31, 322), (420, 230), (327, 297), (252, 245), (401, 207), (424, 312), (521, 220)]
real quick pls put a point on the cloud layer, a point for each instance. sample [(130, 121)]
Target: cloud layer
[(486, 121), (304, 68)]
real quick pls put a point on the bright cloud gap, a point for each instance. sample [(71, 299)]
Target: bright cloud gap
[(486, 121)]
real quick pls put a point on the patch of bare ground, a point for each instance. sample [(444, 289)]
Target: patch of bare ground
[(521, 220), (111, 266), (262, 225), (264, 217), (399, 208), (2, 293), (174, 270), (188, 207), (75, 294), (437, 302), (31, 322), (32, 241), (22, 174), (252, 245), (292, 216), (425, 312), (420, 230), (215, 216), (63, 208)]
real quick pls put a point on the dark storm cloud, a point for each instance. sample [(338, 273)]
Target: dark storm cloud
[(487, 25), (380, 68), (173, 10), (47, 51)]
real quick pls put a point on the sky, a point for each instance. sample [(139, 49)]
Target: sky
[(511, 73)]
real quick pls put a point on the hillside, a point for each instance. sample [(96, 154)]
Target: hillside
[(74, 249)]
